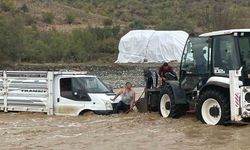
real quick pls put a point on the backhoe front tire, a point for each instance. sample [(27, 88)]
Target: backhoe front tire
[(167, 105), (213, 107)]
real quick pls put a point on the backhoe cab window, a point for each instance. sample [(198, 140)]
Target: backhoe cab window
[(244, 43), (195, 58), (71, 89), (224, 54), (194, 63)]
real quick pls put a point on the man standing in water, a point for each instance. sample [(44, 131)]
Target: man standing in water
[(127, 99)]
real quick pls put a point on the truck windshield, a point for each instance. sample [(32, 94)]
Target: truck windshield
[(92, 85), (244, 44)]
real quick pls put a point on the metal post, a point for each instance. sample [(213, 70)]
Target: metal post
[(5, 91), (235, 95), (50, 104)]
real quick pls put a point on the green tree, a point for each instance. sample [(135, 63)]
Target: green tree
[(82, 44), (11, 39)]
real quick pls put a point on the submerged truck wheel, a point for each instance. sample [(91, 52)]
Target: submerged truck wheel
[(168, 108), (213, 108)]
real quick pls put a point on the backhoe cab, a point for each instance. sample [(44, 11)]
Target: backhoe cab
[(214, 79)]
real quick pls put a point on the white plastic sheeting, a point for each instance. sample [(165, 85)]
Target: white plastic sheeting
[(139, 46)]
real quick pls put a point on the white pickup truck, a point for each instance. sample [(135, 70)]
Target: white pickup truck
[(54, 93)]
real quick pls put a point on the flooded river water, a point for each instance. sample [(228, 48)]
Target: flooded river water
[(116, 132)]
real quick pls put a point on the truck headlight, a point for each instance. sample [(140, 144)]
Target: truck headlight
[(108, 106), (248, 107), (247, 97)]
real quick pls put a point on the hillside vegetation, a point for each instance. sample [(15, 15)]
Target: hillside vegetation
[(68, 31)]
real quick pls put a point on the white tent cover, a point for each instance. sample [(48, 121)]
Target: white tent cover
[(139, 46)]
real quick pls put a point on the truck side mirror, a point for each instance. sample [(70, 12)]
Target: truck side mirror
[(110, 88)]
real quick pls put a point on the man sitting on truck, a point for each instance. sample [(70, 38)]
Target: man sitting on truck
[(127, 99), (166, 72)]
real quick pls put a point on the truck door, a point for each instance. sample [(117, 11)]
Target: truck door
[(195, 63), (71, 98)]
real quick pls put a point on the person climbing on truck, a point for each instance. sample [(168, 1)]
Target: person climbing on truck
[(166, 72), (127, 99)]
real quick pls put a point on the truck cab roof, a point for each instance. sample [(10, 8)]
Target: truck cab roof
[(223, 32), (41, 74)]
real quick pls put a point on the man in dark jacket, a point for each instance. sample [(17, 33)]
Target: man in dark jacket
[(166, 72)]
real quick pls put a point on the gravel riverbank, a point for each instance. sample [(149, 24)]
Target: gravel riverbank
[(115, 75)]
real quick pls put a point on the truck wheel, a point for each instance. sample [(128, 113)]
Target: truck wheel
[(168, 108), (213, 108)]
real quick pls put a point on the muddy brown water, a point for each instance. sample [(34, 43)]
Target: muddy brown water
[(116, 132)]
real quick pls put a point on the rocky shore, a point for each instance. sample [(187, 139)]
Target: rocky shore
[(115, 75)]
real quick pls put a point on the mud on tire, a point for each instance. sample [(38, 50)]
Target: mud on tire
[(213, 107), (167, 106)]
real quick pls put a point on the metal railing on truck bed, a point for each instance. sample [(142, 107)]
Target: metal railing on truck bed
[(24, 91)]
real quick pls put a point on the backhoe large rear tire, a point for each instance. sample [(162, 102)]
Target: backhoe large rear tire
[(167, 105), (213, 107)]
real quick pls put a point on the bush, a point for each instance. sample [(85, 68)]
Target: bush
[(125, 16), (137, 24), (81, 44), (48, 18), (106, 32), (108, 22), (70, 18), (178, 24), (20, 44), (25, 8), (108, 46), (28, 19), (6, 5)]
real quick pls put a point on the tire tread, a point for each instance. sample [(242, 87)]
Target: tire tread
[(176, 110), (222, 99)]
